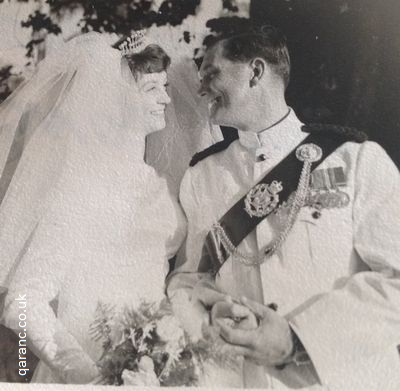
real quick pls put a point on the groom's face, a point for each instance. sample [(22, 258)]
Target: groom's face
[(225, 85)]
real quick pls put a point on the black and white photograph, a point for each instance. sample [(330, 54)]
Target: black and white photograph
[(200, 194)]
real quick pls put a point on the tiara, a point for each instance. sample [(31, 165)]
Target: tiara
[(134, 43)]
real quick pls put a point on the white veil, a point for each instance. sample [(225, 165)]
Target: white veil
[(79, 95), (52, 126)]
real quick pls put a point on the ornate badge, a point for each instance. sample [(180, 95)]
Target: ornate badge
[(309, 153), (262, 199)]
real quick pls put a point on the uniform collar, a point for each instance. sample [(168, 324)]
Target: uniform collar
[(283, 136)]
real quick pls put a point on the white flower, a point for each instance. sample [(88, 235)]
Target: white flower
[(145, 377), (174, 352), (169, 329), (148, 329)]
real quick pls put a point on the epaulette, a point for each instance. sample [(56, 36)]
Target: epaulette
[(330, 130), (230, 135)]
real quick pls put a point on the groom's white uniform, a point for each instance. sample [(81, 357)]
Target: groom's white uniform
[(336, 277)]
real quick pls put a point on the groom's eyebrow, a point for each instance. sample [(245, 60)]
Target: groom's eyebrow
[(208, 70)]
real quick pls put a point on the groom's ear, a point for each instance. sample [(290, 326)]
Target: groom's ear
[(258, 67)]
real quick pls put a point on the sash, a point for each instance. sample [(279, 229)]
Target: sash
[(237, 223)]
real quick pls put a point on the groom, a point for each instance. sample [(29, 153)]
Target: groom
[(322, 246)]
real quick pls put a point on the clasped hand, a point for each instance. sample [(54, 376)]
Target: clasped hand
[(253, 331), (247, 328)]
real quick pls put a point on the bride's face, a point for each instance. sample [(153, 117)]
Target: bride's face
[(153, 89)]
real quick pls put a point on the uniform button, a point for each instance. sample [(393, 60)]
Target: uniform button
[(262, 157), (316, 214)]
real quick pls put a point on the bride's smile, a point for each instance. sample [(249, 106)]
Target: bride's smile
[(153, 88)]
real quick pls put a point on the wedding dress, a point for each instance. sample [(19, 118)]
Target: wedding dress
[(84, 219)]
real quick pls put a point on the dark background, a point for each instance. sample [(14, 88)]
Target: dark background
[(345, 62)]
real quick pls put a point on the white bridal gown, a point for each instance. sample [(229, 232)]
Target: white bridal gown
[(111, 252), (92, 222)]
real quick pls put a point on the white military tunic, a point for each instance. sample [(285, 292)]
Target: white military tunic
[(336, 277)]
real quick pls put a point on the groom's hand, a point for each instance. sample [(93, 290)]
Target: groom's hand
[(268, 344), (233, 314), (204, 296)]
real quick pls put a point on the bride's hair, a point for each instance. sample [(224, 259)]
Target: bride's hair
[(152, 59)]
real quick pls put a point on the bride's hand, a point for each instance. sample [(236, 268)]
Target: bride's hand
[(192, 309), (76, 367)]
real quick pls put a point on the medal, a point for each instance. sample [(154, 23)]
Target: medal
[(344, 199), (325, 192), (328, 199)]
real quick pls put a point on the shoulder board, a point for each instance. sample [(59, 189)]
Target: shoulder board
[(344, 132), (230, 135)]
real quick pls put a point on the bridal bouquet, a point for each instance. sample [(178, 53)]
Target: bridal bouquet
[(148, 346)]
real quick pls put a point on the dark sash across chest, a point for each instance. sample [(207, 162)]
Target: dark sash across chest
[(269, 193)]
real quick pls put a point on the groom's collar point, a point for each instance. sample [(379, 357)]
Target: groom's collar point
[(275, 136)]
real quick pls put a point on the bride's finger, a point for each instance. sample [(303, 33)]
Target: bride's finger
[(208, 296)]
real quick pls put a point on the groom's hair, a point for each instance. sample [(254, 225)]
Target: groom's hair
[(265, 41), (152, 59)]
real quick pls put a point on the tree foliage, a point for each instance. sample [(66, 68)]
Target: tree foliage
[(123, 16), (111, 16)]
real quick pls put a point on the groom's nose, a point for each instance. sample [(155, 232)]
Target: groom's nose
[(202, 91), (164, 98)]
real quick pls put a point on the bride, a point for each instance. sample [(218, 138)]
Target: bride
[(84, 218)]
